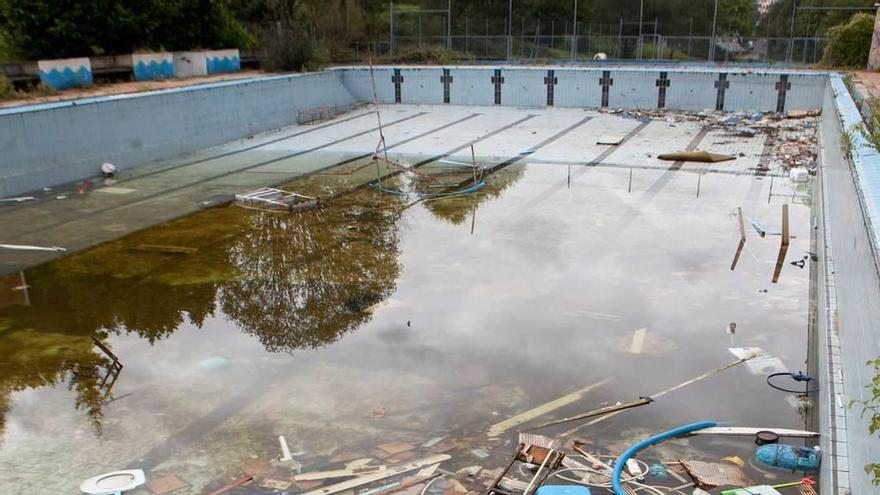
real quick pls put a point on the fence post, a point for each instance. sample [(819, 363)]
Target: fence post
[(790, 53), (391, 29), (690, 35), (590, 39), (449, 25), (467, 48), (509, 36)]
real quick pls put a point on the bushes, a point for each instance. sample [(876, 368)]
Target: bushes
[(7, 90), (424, 55), (850, 43)]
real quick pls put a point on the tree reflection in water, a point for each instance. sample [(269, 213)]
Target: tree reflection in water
[(292, 281), (458, 209), (303, 281)]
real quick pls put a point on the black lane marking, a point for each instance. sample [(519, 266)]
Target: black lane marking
[(721, 85), (515, 158), (7, 210), (662, 84), (691, 146), (782, 87), (497, 80), (550, 81), (606, 82), (198, 428), (762, 169), (220, 176), (676, 166), (585, 167), (242, 150), (368, 155), (397, 79), (441, 156), (650, 167), (322, 169), (446, 80)]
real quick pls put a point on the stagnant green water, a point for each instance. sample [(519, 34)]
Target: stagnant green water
[(377, 318)]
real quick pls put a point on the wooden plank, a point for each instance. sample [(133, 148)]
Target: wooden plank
[(594, 413), (746, 431), (551, 406), (350, 470), (160, 248), (232, 486), (664, 392), (381, 475)]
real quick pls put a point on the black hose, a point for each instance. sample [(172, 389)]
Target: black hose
[(797, 376)]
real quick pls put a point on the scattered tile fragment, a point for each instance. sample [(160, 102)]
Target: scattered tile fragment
[(275, 484), (395, 447), (165, 484)]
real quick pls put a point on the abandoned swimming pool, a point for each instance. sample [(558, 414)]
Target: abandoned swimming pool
[(399, 326)]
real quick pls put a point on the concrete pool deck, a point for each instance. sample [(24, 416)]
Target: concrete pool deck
[(164, 190)]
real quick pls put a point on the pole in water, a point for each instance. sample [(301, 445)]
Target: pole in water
[(629, 188), (379, 120), (474, 163), (783, 245), (699, 179)]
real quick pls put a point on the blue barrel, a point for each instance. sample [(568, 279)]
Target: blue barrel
[(789, 457)]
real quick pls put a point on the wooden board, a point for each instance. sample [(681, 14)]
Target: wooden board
[(381, 475), (551, 406)]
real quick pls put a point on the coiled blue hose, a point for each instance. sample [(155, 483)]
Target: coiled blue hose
[(620, 463)]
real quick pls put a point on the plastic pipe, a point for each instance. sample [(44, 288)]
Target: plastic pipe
[(620, 463)]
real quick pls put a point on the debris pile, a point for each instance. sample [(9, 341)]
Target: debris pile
[(506, 458), (791, 137)]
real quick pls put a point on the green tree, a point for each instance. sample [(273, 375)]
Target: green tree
[(850, 43), (67, 28), (777, 21)]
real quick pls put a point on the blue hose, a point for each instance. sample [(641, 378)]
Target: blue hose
[(620, 463)]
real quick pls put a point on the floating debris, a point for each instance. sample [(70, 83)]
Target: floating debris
[(25, 247), (696, 156), (19, 199), (159, 248), (499, 428), (709, 475), (379, 475), (269, 198), (395, 447)]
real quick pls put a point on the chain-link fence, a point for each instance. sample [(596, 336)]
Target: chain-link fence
[(487, 39)]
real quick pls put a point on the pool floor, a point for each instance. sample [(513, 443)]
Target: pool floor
[(383, 318)]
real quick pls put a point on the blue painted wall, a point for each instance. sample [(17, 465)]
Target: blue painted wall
[(54, 143), (148, 71), (66, 77), (223, 63), (628, 88)]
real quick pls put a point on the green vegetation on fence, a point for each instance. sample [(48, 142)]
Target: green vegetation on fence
[(849, 43)]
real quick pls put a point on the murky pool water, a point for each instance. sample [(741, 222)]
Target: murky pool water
[(377, 319)]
